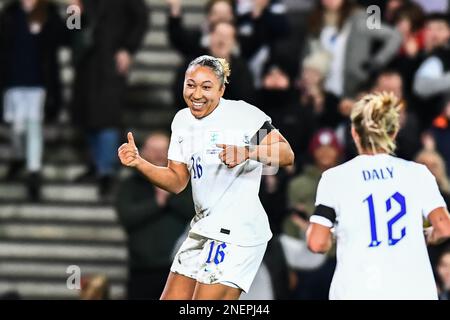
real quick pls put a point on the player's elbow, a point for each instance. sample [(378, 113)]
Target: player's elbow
[(316, 245), (288, 159)]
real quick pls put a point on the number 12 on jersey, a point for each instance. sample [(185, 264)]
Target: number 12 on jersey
[(400, 199)]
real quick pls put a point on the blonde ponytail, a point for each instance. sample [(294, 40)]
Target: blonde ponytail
[(376, 120)]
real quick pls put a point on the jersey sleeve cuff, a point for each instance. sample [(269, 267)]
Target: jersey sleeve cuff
[(321, 220)]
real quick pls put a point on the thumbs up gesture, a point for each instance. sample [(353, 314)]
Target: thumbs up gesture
[(128, 152)]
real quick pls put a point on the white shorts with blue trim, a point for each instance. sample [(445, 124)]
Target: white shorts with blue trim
[(210, 261)]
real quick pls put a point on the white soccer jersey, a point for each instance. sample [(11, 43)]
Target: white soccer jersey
[(226, 200), (376, 204)]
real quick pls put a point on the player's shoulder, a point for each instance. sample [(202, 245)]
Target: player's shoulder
[(240, 107), (411, 165), (181, 118), (340, 170)]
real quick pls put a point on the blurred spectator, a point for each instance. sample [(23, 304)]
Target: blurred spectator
[(443, 275), (432, 79), (313, 96), (95, 287), (341, 28), (409, 21), (314, 281), (272, 280), (408, 137), (391, 7), (112, 31), (325, 151), (435, 163), (440, 131), (153, 220), (222, 44), (441, 6), (31, 32), (262, 24), (190, 42), (278, 98)]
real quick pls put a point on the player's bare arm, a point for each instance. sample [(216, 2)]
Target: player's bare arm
[(440, 230), (273, 150), (319, 238), (173, 178)]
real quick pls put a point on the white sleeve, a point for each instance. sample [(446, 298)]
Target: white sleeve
[(256, 118), (430, 193), (324, 197), (175, 152)]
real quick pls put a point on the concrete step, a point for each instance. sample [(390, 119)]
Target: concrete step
[(62, 252), (58, 270), (48, 232), (52, 290), (147, 59), (191, 19), (83, 193), (42, 213), (54, 172)]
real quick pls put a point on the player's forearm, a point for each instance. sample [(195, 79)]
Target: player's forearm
[(277, 154), (162, 177)]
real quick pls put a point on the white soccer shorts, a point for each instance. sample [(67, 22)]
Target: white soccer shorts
[(210, 261)]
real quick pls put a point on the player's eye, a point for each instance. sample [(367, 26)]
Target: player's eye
[(206, 88), (190, 85)]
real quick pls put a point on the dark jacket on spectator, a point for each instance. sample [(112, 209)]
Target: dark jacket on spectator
[(186, 41), (53, 35), (99, 90), (152, 230)]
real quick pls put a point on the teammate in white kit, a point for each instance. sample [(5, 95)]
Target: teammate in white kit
[(221, 146), (375, 203)]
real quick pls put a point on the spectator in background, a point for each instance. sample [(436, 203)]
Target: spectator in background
[(441, 6), (432, 79), (192, 42), (31, 31), (435, 163), (440, 132), (408, 137), (341, 28), (95, 287), (278, 97), (326, 152), (409, 21), (443, 275), (222, 44), (261, 24), (314, 282), (153, 219), (313, 95), (112, 31)]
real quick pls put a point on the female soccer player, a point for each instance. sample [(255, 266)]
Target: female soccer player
[(375, 203), (221, 146)]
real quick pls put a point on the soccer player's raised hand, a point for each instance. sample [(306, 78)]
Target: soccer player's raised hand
[(128, 152), (232, 156)]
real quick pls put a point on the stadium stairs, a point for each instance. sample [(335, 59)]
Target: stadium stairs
[(71, 225)]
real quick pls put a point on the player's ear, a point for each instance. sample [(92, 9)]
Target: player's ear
[(222, 90), (355, 136)]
